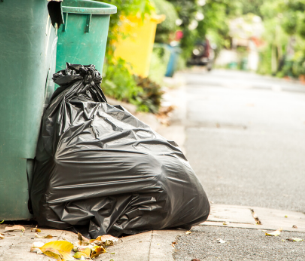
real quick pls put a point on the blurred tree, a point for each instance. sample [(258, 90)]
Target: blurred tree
[(168, 27)]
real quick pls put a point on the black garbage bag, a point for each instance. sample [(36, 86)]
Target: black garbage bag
[(99, 170)]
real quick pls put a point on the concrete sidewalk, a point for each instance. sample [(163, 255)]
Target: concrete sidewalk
[(159, 246)]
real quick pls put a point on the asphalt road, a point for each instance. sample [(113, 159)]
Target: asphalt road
[(245, 138)]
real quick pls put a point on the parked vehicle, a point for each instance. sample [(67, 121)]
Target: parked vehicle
[(203, 55)]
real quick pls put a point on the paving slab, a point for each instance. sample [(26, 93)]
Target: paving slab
[(242, 217), (149, 246)]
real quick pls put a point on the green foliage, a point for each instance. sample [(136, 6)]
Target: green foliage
[(158, 64), (150, 97), (119, 83), (216, 14), (168, 26)]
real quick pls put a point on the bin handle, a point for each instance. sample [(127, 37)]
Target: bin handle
[(55, 12)]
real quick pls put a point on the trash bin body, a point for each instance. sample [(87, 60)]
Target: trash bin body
[(27, 55), (83, 36), (173, 59), (136, 49)]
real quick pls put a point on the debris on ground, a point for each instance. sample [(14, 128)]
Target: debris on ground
[(47, 236), (275, 233), (35, 229), (1, 236), (221, 241), (257, 221), (188, 232), (294, 239), (294, 226), (164, 113), (84, 248), (14, 228)]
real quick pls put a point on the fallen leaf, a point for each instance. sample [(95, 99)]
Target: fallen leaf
[(14, 228), (1, 236), (61, 250), (105, 238), (225, 223), (82, 240), (79, 255), (294, 226), (257, 221), (221, 241), (286, 216), (112, 253), (295, 239), (96, 251), (36, 246), (35, 229), (274, 233), (47, 236), (1, 221), (188, 232)]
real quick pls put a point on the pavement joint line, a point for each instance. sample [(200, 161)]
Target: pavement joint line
[(151, 238)]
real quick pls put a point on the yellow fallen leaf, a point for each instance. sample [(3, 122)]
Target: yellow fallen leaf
[(85, 253), (14, 228), (274, 233), (2, 221), (96, 251), (1, 236), (61, 250)]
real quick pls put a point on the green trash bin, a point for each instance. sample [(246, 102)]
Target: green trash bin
[(27, 62), (83, 36)]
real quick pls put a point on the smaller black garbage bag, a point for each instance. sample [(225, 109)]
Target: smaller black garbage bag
[(99, 170)]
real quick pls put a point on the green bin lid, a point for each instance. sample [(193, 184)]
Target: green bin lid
[(88, 7)]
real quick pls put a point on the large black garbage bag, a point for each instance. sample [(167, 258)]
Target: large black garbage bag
[(100, 170)]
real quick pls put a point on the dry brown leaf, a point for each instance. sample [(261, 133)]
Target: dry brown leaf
[(61, 250), (14, 228), (294, 226), (82, 240), (1, 236)]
